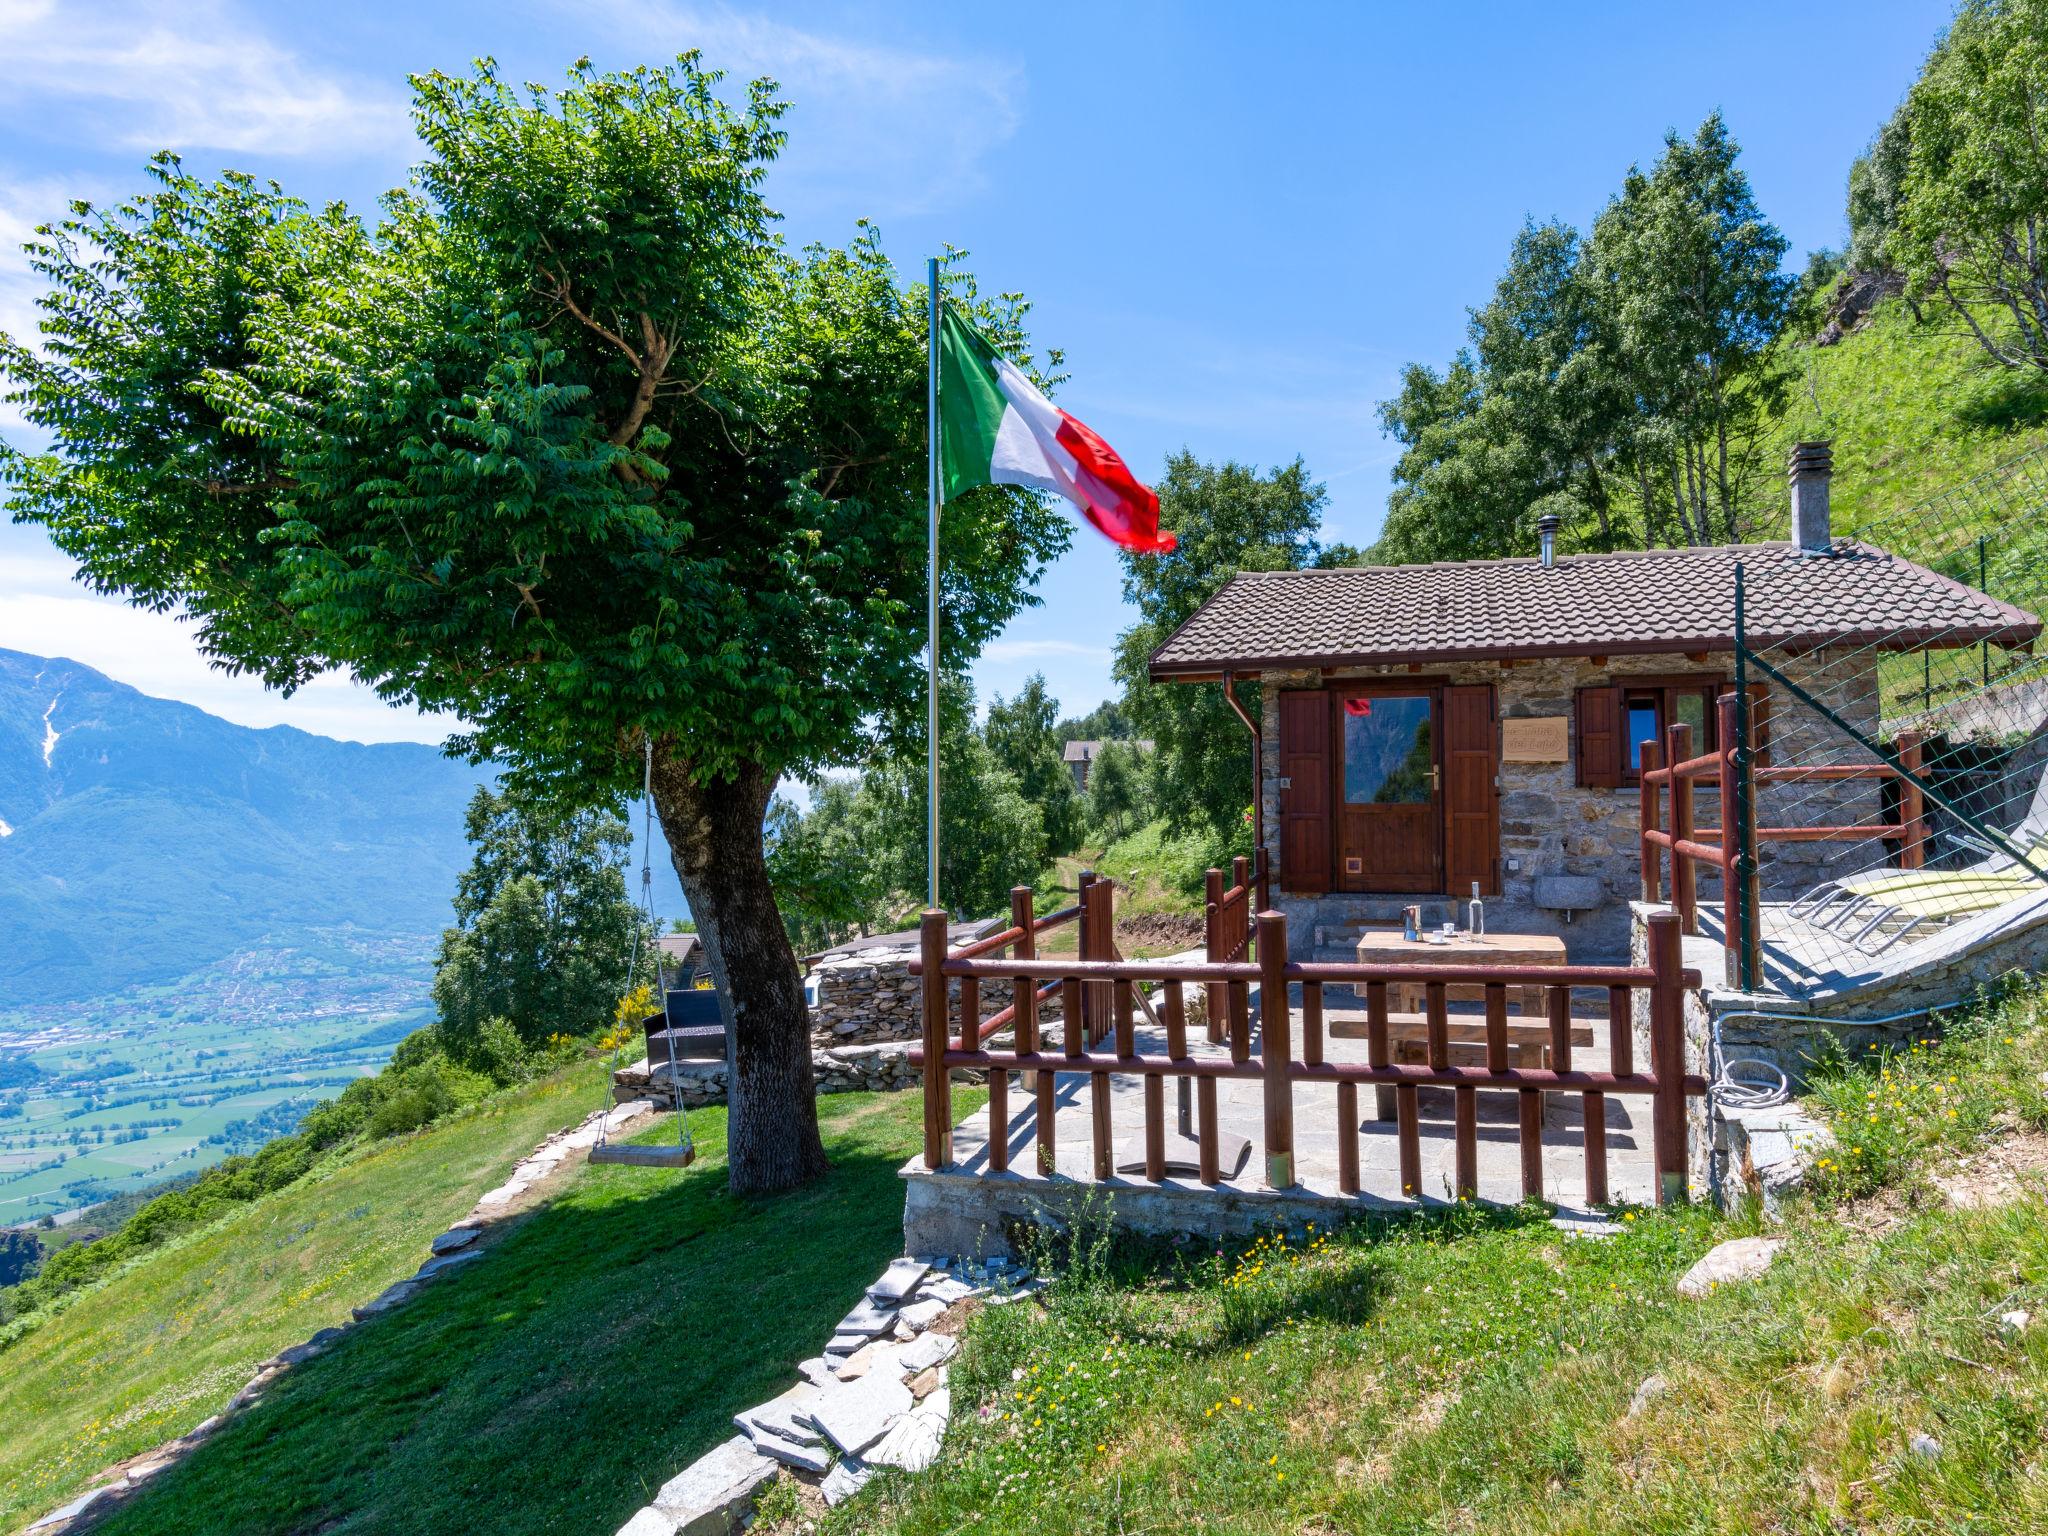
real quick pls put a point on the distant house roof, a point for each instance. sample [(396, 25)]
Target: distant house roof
[(1659, 600), (678, 948), (1088, 751)]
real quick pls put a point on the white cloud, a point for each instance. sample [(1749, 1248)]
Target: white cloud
[(45, 612), (191, 76), (1035, 650), (878, 129)]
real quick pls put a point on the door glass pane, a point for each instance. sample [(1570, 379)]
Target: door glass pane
[(1691, 709), (1642, 727), (1388, 753)]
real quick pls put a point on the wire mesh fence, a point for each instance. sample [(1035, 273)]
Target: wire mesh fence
[(1897, 764)]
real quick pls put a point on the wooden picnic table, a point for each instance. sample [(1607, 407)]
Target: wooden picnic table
[(1387, 947), (1407, 1000)]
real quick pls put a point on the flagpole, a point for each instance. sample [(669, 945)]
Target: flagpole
[(931, 809)]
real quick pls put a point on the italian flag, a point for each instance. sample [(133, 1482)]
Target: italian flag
[(996, 428)]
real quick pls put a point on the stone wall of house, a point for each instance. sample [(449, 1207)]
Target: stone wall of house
[(1549, 825)]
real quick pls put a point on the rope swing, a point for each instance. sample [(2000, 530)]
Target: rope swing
[(682, 1151)]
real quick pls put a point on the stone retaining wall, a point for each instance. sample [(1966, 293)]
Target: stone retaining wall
[(871, 995)]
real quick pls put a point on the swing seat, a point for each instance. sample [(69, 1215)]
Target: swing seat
[(640, 1154)]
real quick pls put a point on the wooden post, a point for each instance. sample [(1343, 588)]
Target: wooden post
[(1667, 1056), (1212, 948), (1726, 730), (1912, 804), (1685, 894), (1024, 993), (1276, 1050), (1647, 820), (938, 1082), (1649, 814)]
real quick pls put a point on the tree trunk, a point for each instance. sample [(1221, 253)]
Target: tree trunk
[(714, 836)]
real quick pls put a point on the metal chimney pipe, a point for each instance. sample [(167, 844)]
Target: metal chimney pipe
[(1809, 470), (1546, 538)]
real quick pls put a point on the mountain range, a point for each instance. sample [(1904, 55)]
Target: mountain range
[(142, 839)]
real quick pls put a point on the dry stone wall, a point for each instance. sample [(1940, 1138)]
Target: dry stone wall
[(871, 995)]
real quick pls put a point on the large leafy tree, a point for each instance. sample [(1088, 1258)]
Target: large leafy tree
[(1522, 423), (1625, 382), (1695, 298), (545, 927), (1971, 219), (1229, 518), (569, 447)]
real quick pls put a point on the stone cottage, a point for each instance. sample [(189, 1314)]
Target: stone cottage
[(1431, 728)]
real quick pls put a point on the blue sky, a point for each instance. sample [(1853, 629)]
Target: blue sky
[(1239, 221)]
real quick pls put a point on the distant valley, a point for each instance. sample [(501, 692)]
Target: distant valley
[(208, 926)]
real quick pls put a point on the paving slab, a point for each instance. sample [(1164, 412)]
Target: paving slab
[(898, 1281), (454, 1238), (855, 1414), (784, 1414), (714, 1494), (915, 1442), (867, 1317), (845, 1480), (926, 1350), (880, 1356)]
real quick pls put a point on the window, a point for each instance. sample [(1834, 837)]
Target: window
[(1648, 711), (1389, 758)]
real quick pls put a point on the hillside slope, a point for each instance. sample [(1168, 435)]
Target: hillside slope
[(147, 839), (603, 1343), (1913, 410), (167, 1341)]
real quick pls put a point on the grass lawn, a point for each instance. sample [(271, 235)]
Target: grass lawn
[(168, 1340), (552, 1386), (1474, 1371)]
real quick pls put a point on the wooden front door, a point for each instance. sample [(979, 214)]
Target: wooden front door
[(1389, 789)]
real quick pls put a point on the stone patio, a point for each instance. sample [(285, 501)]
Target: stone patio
[(966, 1207)]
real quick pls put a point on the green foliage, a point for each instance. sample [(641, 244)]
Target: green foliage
[(828, 881), (1896, 1112), (544, 927), (1969, 211), (1876, 192), (1229, 518), (1116, 787), (1107, 721), (1029, 746), (990, 836), (1624, 382)]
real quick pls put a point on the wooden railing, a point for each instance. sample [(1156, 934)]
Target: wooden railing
[(1227, 937), (1670, 776), (950, 1043)]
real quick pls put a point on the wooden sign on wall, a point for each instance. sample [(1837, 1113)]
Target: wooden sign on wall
[(1535, 739)]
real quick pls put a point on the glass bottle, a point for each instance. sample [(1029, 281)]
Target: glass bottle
[(1475, 914)]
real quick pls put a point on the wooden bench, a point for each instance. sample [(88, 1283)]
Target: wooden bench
[(1528, 1041)]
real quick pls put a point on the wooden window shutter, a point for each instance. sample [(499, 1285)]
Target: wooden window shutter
[(1471, 793), (1598, 744), (1305, 791)]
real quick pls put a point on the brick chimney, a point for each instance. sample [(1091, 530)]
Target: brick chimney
[(1811, 465)]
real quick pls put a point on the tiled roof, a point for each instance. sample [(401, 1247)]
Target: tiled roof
[(1660, 600)]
